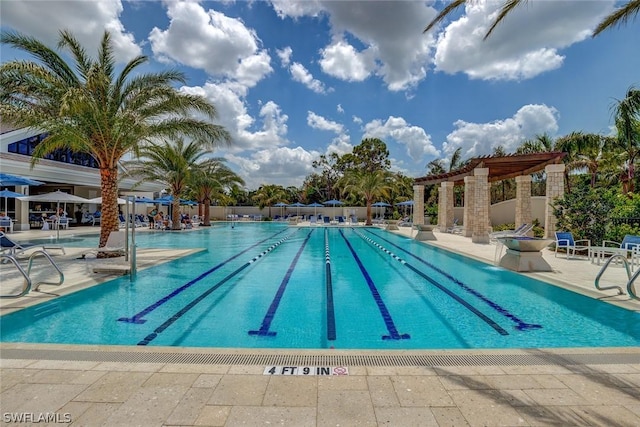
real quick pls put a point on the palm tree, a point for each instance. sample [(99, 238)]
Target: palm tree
[(627, 119), (86, 107), (366, 184), (618, 17), (170, 164), (209, 180), (269, 195)]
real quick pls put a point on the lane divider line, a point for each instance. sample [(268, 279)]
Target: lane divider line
[(138, 317), (521, 325), (464, 303), (206, 293), (384, 311), (275, 303)]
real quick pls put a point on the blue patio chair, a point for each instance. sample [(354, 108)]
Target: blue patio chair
[(326, 220), (11, 247), (565, 240)]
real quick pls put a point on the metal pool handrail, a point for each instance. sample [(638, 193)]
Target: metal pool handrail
[(630, 279), (26, 274)]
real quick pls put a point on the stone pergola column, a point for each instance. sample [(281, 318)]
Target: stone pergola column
[(468, 218), (446, 191), (523, 200), (481, 206), (418, 204), (555, 189)]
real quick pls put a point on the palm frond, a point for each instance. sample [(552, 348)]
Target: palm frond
[(506, 8), (443, 14), (619, 17)]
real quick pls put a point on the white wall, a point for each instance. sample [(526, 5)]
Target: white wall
[(505, 212)]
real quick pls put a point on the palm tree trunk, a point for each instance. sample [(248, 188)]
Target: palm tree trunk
[(175, 213), (368, 213), (109, 215), (206, 221)]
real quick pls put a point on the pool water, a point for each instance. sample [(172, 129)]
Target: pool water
[(270, 285)]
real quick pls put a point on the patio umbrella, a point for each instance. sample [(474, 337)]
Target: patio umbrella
[(407, 203), (9, 194), (315, 205), (9, 179), (280, 205), (333, 203), (144, 200), (57, 197), (98, 200), (297, 205), (381, 205)]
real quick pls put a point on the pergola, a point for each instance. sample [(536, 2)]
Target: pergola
[(476, 176)]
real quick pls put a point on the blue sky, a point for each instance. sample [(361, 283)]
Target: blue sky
[(294, 80)]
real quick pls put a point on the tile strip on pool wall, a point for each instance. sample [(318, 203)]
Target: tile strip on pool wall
[(331, 316), (524, 358)]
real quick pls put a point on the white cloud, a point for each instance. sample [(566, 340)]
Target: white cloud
[(87, 20), (416, 141), (206, 39), (339, 108), (284, 166), (357, 120), (478, 139), (341, 60), (526, 43), (302, 75), (340, 145), (233, 115), (285, 55), (318, 122), (398, 53)]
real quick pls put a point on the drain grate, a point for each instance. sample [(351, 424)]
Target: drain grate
[(536, 357)]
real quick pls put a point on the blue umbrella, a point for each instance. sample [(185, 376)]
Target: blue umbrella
[(315, 205), (407, 203), (9, 194), (296, 205), (380, 204), (8, 179), (279, 205), (144, 200)]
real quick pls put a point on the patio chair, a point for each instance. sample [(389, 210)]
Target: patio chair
[(62, 222), (313, 220), (353, 220), (341, 220), (326, 220), (455, 228), (6, 224), (114, 245), (10, 247), (565, 240), (630, 245)]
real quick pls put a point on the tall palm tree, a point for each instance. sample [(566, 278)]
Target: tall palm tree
[(209, 181), (171, 164), (366, 184), (627, 120), (85, 106), (269, 195), (620, 16)]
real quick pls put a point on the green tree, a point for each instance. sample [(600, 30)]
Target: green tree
[(269, 195), (86, 107), (620, 16), (210, 181), (627, 120), (368, 185), (170, 164), (370, 155)]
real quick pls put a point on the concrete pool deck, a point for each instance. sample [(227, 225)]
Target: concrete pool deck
[(154, 386)]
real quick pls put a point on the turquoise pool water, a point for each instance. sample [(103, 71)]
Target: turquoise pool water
[(269, 285)]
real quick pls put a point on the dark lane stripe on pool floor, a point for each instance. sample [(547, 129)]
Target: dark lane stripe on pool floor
[(464, 303), (275, 303), (331, 316), (206, 293), (384, 312), (138, 317), (520, 324)]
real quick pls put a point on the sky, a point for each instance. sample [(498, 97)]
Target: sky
[(292, 80)]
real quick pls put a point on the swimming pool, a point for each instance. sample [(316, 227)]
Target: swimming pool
[(270, 285)]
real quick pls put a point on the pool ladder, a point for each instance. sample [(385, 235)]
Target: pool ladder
[(630, 279), (26, 274)]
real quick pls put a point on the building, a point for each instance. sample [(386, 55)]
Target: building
[(63, 170)]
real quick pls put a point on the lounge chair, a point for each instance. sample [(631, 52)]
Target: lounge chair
[(114, 245), (353, 220), (455, 228), (10, 247), (326, 220), (313, 220), (341, 220), (565, 240)]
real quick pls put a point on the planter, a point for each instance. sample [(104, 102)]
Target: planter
[(523, 254)]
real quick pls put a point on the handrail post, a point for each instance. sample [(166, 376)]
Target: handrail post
[(133, 260), (604, 267)]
